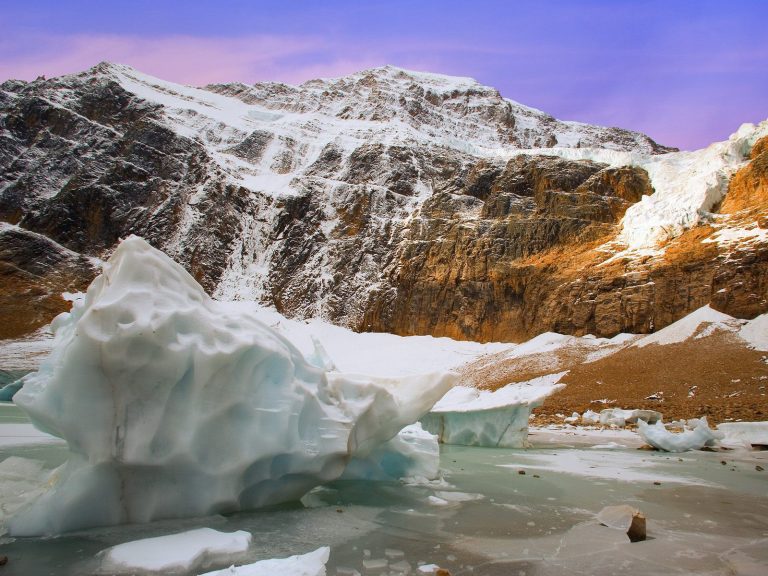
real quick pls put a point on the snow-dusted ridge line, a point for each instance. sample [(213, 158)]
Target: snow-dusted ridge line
[(315, 114)]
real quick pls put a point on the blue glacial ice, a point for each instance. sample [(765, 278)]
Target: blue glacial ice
[(174, 405)]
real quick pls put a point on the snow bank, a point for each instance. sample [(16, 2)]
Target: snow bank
[(472, 417), (172, 406), (173, 553), (376, 353), (310, 564), (755, 332), (686, 327), (659, 437)]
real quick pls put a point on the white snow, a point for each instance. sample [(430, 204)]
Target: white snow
[(727, 236), (659, 437), (755, 332), (375, 353), (174, 552), (310, 564), (472, 417), (173, 406), (688, 326), (464, 399)]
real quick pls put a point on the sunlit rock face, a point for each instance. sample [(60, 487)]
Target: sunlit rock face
[(172, 406)]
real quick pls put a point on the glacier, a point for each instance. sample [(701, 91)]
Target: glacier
[(173, 406)]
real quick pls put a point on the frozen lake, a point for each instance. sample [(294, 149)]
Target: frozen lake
[(485, 518)]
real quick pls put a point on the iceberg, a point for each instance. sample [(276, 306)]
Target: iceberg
[(173, 405), (472, 417), (662, 439)]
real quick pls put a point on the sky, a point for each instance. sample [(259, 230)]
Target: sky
[(685, 72)]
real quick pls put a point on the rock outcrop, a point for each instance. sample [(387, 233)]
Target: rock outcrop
[(387, 200)]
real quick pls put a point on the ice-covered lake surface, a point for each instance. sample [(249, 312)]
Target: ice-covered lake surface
[(484, 518)]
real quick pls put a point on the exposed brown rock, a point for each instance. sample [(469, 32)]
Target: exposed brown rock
[(33, 274), (717, 376)]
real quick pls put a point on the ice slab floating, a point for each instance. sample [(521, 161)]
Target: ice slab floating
[(472, 417), (173, 553), (310, 564), (174, 406), (659, 437)]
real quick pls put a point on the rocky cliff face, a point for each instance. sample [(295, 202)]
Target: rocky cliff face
[(388, 200)]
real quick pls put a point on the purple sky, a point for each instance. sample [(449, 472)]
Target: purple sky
[(686, 72)]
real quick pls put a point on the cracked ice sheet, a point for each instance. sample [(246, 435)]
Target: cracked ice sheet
[(608, 465)]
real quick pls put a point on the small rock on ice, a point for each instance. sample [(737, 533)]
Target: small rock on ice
[(625, 518)]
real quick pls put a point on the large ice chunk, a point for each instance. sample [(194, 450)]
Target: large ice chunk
[(173, 553), (413, 453), (174, 406), (473, 417), (310, 564), (659, 437), (753, 433)]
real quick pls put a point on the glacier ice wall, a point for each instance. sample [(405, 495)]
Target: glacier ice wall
[(173, 406), (471, 417)]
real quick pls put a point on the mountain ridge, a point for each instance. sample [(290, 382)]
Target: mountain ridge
[(372, 200)]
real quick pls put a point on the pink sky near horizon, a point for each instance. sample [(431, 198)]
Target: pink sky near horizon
[(182, 59), (678, 97)]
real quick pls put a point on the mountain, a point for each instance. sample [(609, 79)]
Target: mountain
[(388, 200)]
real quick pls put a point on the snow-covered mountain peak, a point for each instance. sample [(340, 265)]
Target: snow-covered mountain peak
[(403, 78), (356, 198)]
